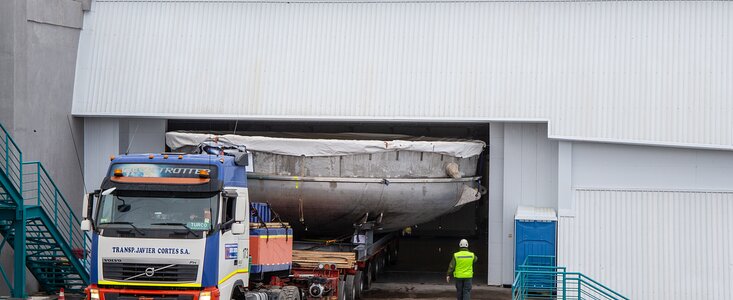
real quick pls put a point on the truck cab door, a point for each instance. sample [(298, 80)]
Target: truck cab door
[(234, 259)]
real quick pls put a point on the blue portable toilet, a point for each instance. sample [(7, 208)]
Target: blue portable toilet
[(535, 232)]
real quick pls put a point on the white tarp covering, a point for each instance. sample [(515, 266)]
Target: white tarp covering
[(327, 147)]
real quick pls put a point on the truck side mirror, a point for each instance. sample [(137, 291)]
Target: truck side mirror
[(237, 228), (86, 225), (242, 204), (86, 208)]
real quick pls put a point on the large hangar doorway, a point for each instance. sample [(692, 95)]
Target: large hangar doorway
[(425, 249)]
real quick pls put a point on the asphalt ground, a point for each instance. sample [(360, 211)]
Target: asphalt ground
[(421, 267), (400, 285)]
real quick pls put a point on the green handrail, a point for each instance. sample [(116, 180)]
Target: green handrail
[(46, 194), (11, 160), (539, 277), (574, 285)]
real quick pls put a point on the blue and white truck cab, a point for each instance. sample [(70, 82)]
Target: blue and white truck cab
[(169, 226)]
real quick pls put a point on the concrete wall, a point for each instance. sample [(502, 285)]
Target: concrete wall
[(38, 47), (10, 12), (523, 170)]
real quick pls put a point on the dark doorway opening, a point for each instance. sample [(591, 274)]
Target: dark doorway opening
[(426, 251)]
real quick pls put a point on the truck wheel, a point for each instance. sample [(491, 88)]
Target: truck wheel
[(237, 294), (291, 293), (358, 284), (382, 261), (377, 268), (368, 276), (392, 256), (342, 287), (256, 296), (349, 290), (275, 294)]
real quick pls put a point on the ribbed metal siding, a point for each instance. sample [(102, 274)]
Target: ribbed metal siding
[(652, 245), (645, 71)]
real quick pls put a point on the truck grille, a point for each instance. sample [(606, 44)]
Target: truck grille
[(161, 272)]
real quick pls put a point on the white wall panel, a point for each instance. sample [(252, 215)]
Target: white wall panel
[(596, 165), (624, 71), (652, 244), (496, 204), (529, 178)]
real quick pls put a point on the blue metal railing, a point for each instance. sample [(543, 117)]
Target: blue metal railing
[(39, 189), (11, 159), (539, 278)]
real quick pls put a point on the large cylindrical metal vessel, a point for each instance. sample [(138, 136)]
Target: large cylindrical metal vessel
[(401, 182)]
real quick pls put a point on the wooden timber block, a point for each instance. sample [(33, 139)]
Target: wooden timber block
[(312, 259)]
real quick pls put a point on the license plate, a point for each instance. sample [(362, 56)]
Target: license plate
[(145, 298)]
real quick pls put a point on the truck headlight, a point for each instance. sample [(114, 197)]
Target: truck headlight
[(205, 295), (94, 294)]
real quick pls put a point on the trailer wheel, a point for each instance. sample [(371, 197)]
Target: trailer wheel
[(382, 262), (388, 256), (392, 257), (349, 290), (377, 270), (290, 293), (358, 284), (341, 287), (368, 273)]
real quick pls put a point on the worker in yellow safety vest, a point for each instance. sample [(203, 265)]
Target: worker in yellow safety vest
[(461, 267)]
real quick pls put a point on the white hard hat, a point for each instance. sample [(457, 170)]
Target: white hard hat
[(463, 243)]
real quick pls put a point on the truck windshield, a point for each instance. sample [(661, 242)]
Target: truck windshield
[(150, 215)]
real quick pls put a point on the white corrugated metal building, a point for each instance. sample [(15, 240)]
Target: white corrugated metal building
[(618, 114)]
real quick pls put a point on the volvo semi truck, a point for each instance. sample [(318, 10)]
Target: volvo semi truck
[(182, 226)]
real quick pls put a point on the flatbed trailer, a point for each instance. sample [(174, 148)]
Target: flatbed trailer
[(371, 256), (327, 269)]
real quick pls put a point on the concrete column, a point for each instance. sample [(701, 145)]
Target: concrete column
[(530, 178), (565, 203), (496, 201), (513, 193), (101, 139)]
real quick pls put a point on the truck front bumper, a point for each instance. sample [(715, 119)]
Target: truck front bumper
[(107, 293)]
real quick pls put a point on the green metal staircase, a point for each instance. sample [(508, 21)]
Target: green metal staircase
[(538, 277), (37, 220)]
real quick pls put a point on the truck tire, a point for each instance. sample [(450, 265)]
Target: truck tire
[(349, 290), (275, 294), (256, 296), (388, 256), (382, 262), (342, 287), (377, 268), (392, 258), (237, 294), (368, 276), (358, 284), (291, 293)]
